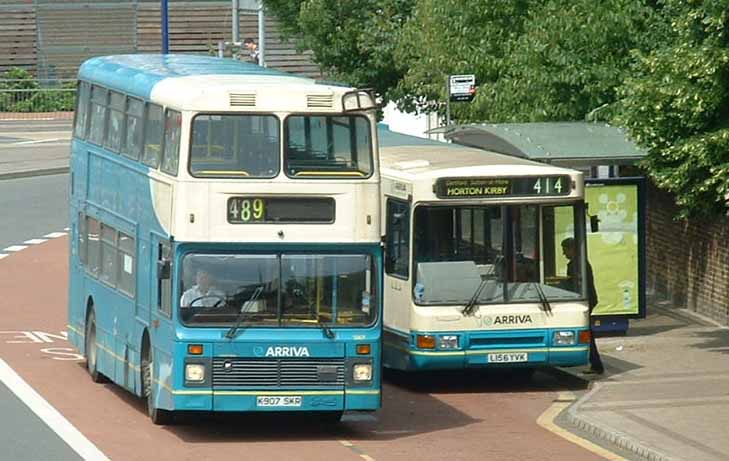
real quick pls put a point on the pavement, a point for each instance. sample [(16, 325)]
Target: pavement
[(665, 393), (34, 148)]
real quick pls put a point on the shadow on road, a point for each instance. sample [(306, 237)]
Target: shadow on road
[(413, 404)]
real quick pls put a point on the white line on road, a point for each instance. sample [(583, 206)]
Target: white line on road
[(54, 235), (55, 420), (35, 241), (37, 141), (3, 255), (15, 248)]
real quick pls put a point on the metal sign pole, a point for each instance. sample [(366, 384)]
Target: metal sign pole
[(236, 22), (448, 100), (261, 35), (165, 29)]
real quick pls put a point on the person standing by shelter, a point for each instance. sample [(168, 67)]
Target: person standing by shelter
[(573, 273)]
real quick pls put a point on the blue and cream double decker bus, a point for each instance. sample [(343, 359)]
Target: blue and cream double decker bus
[(226, 250), (484, 259)]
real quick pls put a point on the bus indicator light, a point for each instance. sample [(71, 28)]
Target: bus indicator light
[(585, 337), (426, 342), (195, 349), (363, 349)]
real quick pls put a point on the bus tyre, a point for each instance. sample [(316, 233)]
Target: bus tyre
[(330, 417), (92, 350), (157, 415)]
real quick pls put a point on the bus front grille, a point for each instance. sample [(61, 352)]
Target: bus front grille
[(243, 372)]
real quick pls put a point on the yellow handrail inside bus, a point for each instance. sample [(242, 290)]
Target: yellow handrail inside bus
[(330, 173), (224, 172)]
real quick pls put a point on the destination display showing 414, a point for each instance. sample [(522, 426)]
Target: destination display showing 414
[(540, 186)]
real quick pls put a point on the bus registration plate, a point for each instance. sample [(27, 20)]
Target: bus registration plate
[(508, 358), (278, 401)]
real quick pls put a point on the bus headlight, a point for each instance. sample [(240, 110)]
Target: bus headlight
[(564, 338), (448, 342), (195, 372), (362, 372)]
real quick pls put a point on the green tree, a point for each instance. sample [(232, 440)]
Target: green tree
[(534, 60), (352, 40), (677, 106)]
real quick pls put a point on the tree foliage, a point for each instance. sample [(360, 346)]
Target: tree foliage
[(658, 67), (677, 106), (352, 40)]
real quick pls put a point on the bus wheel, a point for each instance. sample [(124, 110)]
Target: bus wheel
[(92, 350), (330, 417), (157, 415)]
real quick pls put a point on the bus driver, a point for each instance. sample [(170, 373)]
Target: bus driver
[(202, 294)]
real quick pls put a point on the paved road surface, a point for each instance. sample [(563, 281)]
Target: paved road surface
[(427, 417)]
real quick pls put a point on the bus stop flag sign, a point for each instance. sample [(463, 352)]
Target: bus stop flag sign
[(462, 87)]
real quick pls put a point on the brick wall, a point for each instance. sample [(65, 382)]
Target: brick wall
[(688, 261)]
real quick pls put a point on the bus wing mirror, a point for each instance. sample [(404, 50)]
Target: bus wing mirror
[(164, 269), (594, 223)]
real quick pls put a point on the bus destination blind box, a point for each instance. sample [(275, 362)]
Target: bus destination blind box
[(292, 210), (536, 186), (462, 88)]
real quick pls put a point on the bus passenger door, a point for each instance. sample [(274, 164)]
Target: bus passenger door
[(161, 327), (397, 296)]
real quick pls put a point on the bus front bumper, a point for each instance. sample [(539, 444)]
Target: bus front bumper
[(277, 400)]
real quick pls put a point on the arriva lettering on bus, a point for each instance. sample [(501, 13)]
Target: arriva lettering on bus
[(287, 351), (512, 319)]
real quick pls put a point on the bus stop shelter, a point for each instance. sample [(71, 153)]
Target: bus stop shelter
[(614, 192)]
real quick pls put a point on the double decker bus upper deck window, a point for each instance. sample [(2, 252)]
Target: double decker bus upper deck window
[(328, 146), (235, 146)]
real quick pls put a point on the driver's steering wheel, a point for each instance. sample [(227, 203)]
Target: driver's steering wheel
[(220, 299)]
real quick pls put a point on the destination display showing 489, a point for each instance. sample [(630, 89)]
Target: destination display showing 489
[(257, 210), (465, 188)]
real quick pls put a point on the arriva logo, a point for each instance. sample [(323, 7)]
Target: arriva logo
[(287, 351), (488, 321)]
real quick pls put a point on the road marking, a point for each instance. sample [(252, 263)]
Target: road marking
[(546, 420), (53, 419), (35, 241), (3, 255), (15, 248), (356, 450), (54, 235), (38, 141)]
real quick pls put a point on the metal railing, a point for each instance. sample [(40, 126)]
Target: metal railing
[(36, 99)]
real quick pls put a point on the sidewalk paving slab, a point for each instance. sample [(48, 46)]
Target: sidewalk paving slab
[(665, 393)]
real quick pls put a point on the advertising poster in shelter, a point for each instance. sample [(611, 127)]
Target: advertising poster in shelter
[(614, 249)]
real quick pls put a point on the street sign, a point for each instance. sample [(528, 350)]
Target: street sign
[(461, 87)]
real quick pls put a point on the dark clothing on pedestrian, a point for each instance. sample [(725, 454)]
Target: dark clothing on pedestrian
[(595, 360)]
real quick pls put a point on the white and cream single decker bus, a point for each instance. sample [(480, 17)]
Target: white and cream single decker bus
[(484, 259)]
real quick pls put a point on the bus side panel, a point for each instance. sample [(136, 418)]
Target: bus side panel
[(76, 273)]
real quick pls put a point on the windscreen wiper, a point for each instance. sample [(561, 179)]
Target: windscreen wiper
[(471, 304), (542, 297), (243, 311), (327, 331)]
